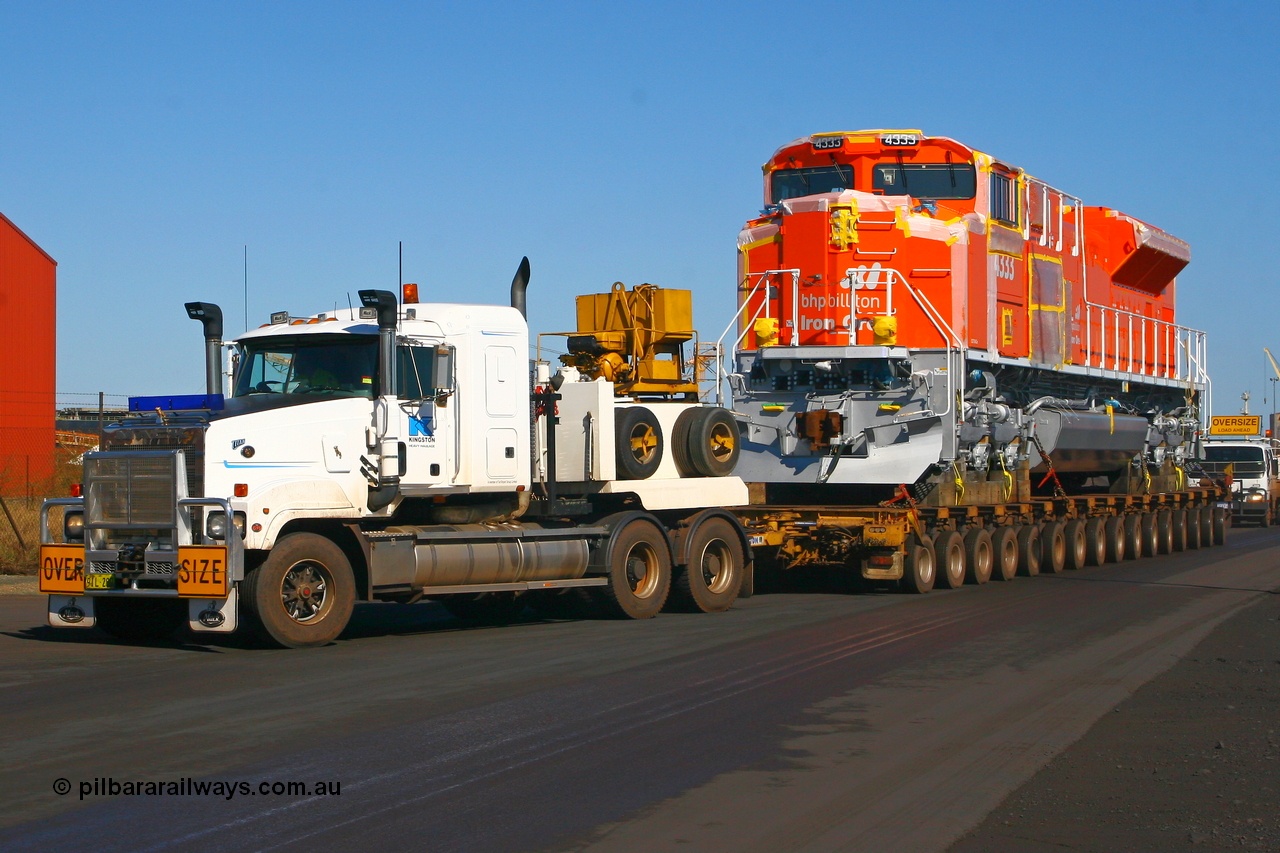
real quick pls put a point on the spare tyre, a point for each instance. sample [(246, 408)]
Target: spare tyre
[(638, 438)]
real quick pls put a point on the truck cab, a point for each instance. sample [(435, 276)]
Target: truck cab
[(1251, 466)]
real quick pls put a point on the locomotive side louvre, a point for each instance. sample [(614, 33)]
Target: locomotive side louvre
[(911, 285)]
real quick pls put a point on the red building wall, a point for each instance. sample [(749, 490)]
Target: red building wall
[(27, 356)]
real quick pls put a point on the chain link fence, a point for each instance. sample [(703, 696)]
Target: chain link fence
[(37, 463)]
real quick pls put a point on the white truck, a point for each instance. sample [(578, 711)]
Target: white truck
[(1251, 466), (393, 452)]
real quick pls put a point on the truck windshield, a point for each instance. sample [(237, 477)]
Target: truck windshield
[(794, 183), (309, 366), (1245, 461)]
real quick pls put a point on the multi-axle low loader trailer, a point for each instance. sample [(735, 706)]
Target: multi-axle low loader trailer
[(398, 451)]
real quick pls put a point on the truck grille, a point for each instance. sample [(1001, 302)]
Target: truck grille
[(131, 490)]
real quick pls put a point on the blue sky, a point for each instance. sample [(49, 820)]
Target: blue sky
[(145, 145)]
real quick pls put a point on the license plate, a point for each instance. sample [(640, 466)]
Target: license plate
[(1224, 505), (202, 571), (99, 582)]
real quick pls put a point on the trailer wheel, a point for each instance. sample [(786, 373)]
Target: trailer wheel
[(918, 572), (1004, 548), (1220, 519), (1206, 526), (1164, 531), (1095, 534), (303, 594), (639, 443), (948, 547), (1114, 527), (1132, 536), (704, 442), (1192, 527), (139, 620), (1149, 534), (1053, 547), (979, 555), (639, 570), (713, 577), (1077, 545), (1028, 550), (1178, 525)]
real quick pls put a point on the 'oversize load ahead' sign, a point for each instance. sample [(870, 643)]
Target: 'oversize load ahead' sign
[(1235, 424)]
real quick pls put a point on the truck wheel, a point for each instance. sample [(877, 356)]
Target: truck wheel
[(1077, 545), (1053, 548), (490, 608), (139, 620), (979, 556), (1132, 536), (1192, 527), (712, 579), (918, 572), (704, 442), (1206, 526), (1150, 534), (1178, 525), (1004, 548), (639, 570), (1095, 535), (1114, 527), (1220, 519), (639, 443), (1028, 550), (948, 548), (303, 594)]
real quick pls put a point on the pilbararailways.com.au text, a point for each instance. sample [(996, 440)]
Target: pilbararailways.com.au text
[(187, 787)]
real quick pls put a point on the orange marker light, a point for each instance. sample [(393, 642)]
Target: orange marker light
[(408, 292)]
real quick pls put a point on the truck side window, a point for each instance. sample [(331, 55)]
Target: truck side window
[(413, 373)]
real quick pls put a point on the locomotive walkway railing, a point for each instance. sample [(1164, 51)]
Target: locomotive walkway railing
[(1131, 343)]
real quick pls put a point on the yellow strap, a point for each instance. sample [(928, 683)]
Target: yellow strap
[(1111, 414), (1007, 477)]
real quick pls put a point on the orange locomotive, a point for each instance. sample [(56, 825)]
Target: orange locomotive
[(910, 306)]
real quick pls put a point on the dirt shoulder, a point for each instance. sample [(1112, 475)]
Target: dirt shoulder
[(19, 585), (1191, 761)]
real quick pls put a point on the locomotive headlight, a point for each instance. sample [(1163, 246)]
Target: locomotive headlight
[(215, 527), (73, 527)]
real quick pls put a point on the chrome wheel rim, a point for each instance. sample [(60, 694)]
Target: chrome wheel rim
[(304, 591)]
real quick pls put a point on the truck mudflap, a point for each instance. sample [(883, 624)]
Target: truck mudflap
[(71, 611), (205, 615), (214, 615)]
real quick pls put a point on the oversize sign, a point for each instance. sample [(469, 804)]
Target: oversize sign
[(1235, 424), (62, 569), (202, 571)]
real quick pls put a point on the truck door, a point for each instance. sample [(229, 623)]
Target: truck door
[(426, 414)]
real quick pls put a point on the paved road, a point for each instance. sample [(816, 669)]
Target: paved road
[(813, 721)]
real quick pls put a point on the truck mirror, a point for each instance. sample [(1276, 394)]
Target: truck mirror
[(442, 370)]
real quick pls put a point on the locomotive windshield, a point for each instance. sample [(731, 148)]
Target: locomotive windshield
[(309, 366), (925, 180), (794, 183)]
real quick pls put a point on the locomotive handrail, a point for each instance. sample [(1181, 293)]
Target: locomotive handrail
[(1184, 348), (721, 373)]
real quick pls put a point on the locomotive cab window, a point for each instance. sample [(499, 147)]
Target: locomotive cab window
[(1004, 199), (925, 180), (794, 183)]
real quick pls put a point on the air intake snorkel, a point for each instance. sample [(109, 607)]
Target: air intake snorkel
[(210, 316), (387, 485)]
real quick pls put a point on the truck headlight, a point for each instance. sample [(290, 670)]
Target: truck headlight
[(1255, 496), (73, 527), (215, 526)]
